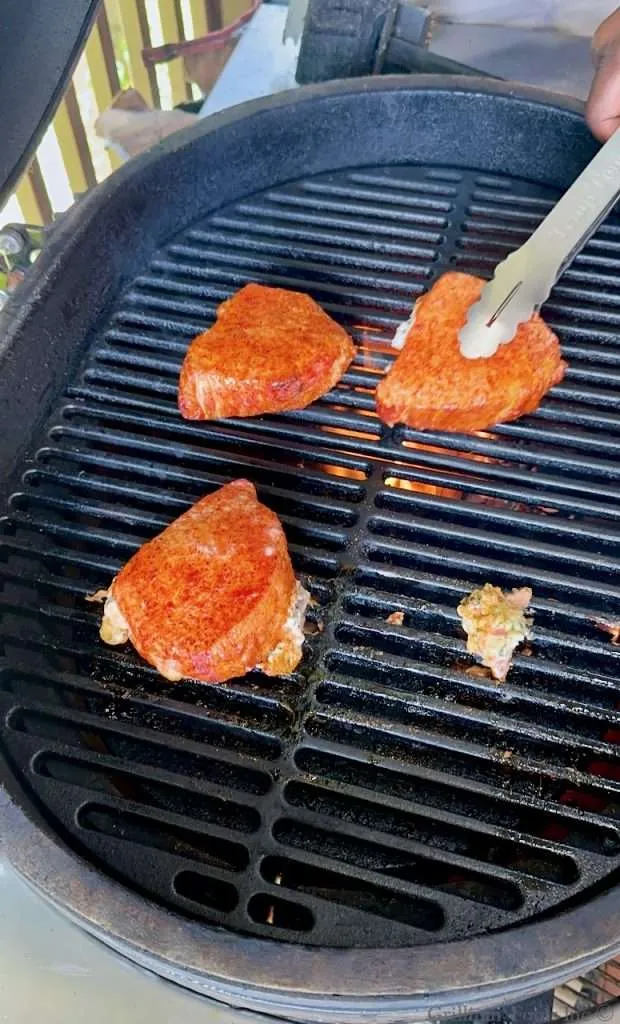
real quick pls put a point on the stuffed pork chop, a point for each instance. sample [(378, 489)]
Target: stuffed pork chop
[(270, 350), (214, 595), (431, 386)]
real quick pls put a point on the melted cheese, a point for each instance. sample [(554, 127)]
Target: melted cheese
[(285, 656), (114, 627), (402, 331)]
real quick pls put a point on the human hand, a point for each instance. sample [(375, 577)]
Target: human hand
[(603, 106)]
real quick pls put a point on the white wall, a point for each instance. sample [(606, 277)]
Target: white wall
[(579, 17)]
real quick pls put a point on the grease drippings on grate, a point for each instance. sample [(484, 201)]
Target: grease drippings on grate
[(383, 795)]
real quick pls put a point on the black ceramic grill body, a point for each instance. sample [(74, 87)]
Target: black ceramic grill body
[(385, 831)]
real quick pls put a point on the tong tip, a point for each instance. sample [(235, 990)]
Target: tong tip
[(486, 328)]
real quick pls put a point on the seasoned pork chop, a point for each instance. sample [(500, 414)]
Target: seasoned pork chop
[(270, 350), (214, 595), (431, 386)]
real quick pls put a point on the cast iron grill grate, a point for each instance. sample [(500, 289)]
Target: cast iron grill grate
[(387, 794)]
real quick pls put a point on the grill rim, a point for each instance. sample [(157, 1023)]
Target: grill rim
[(230, 968), (248, 973)]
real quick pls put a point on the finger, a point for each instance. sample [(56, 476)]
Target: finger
[(603, 106)]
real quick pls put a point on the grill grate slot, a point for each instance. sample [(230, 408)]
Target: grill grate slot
[(393, 863), (448, 843), (438, 793), (385, 794), (214, 893), (160, 834), (340, 888)]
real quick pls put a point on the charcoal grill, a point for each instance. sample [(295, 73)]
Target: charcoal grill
[(388, 831)]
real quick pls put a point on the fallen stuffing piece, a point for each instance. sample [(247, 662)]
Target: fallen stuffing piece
[(496, 623)]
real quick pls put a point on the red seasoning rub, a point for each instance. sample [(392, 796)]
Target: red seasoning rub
[(270, 350), (214, 595), (431, 386)]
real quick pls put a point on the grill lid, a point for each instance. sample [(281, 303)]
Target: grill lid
[(383, 797), (50, 39)]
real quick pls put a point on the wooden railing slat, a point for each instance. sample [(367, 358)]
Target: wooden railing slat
[(145, 35), (73, 143), (140, 79), (107, 46), (232, 9), (199, 18), (172, 29), (33, 198)]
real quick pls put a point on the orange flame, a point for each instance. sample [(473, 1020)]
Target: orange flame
[(352, 474), (421, 488), (343, 432)]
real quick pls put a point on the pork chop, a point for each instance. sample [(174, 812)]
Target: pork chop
[(431, 386), (270, 350), (214, 595)]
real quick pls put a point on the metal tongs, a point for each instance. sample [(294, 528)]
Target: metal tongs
[(523, 281)]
